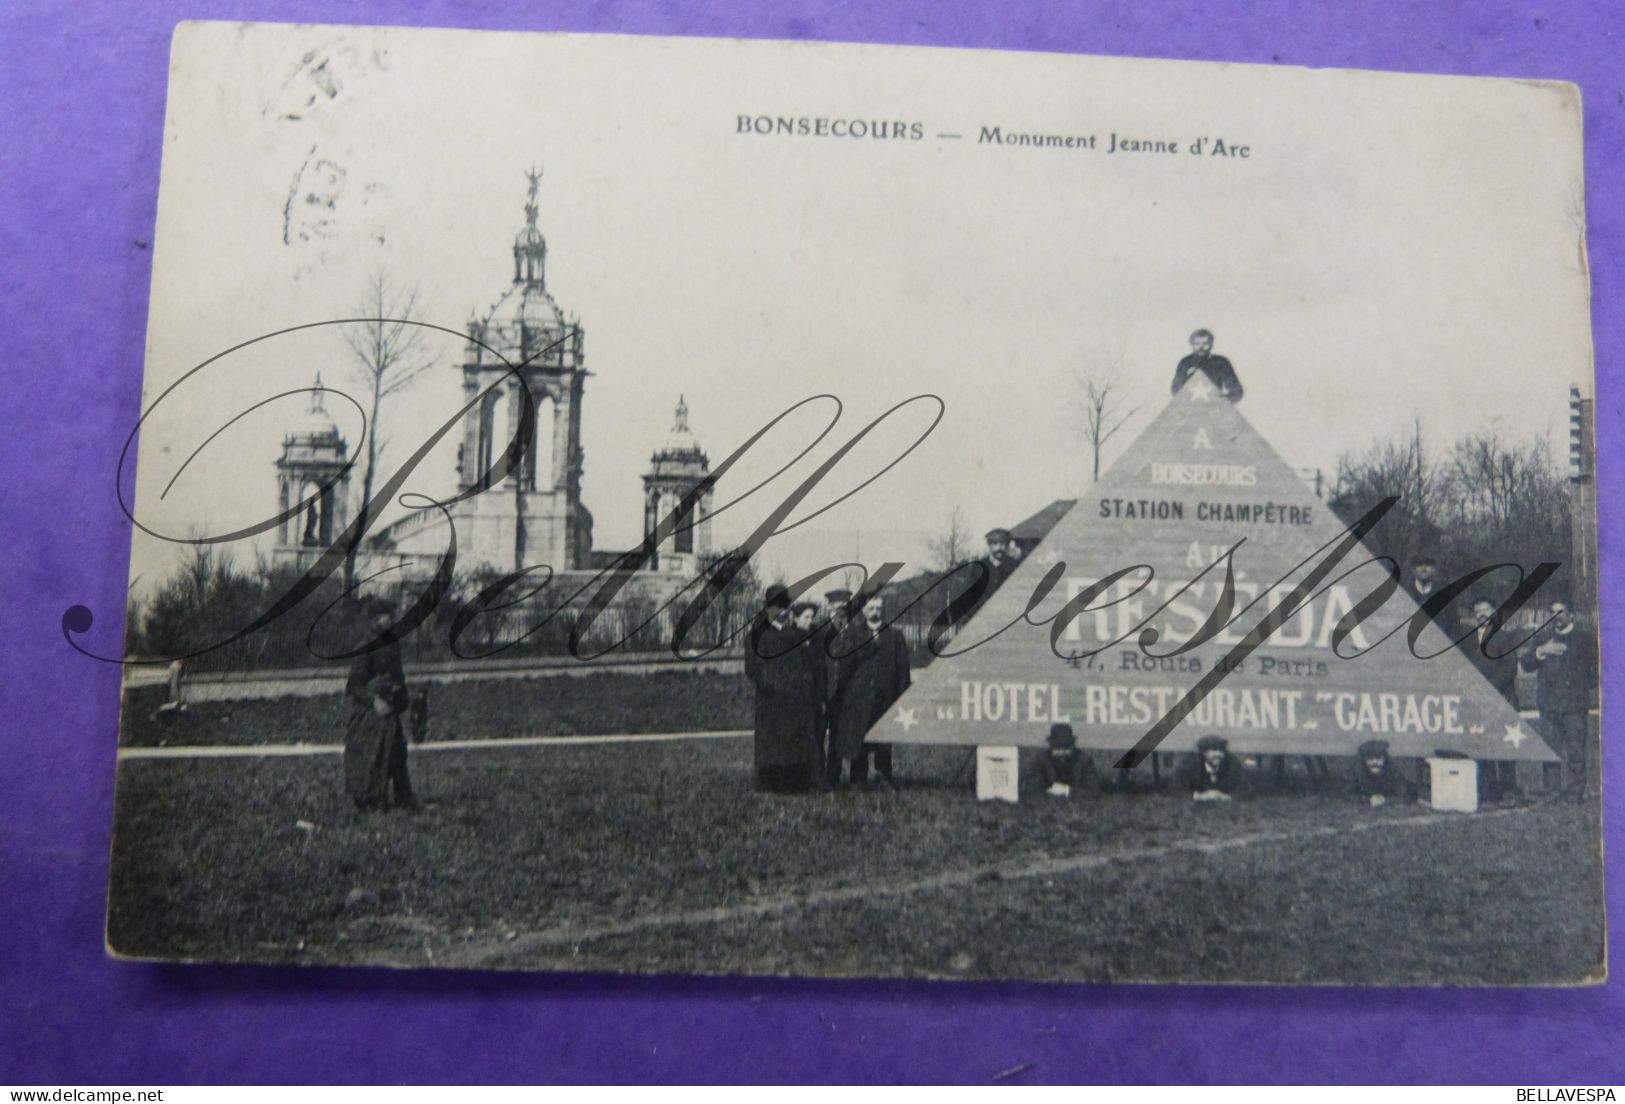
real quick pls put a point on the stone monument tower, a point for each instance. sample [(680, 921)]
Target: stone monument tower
[(534, 515), (314, 456), (679, 470)]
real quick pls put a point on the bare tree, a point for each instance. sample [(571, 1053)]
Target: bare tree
[(1489, 500), (386, 346), (950, 548), (1391, 468), (1102, 400), (1421, 498), (1496, 482), (1506, 500), (735, 589)]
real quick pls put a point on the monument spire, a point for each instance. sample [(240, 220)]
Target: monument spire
[(533, 177), (529, 247)]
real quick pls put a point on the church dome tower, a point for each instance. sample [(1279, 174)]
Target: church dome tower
[(679, 479), (315, 468), (534, 515)]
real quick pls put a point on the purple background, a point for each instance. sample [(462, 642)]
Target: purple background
[(81, 110)]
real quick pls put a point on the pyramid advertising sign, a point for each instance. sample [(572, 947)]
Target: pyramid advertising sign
[(1201, 588)]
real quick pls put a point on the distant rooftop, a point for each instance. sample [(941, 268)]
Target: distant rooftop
[(1036, 528)]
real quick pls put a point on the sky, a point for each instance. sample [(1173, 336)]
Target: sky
[(1391, 247)]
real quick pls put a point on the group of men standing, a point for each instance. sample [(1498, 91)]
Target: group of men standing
[(820, 687), (1563, 658)]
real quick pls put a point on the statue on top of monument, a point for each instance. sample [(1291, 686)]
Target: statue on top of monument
[(1216, 368)]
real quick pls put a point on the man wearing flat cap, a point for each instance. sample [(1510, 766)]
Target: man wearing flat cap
[(988, 575), (998, 559), (838, 605), (1213, 773)]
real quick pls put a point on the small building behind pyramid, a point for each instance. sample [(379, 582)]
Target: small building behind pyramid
[(1200, 492)]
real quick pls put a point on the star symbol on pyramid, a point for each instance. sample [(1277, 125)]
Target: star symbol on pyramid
[(1199, 389), (906, 718), (1515, 735)]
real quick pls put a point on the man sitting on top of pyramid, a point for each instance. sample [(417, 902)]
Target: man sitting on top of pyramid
[(1216, 368)]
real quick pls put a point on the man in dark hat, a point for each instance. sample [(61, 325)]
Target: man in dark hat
[(1497, 778), (1064, 770), (873, 674), (1213, 773), (775, 670), (375, 772), (1216, 369), (1565, 654), (1424, 584), (1376, 781), (1424, 580)]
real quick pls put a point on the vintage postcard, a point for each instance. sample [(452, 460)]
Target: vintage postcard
[(674, 505)]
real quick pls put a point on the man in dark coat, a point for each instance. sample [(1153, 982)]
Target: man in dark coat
[(1424, 580), (1375, 780), (1565, 654), (1423, 585), (375, 773), (786, 707), (1216, 369), (837, 603), (1497, 778), (811, 686), (1064, 770), (999, 561), (978, 579), (873, 674), (1213, 773)]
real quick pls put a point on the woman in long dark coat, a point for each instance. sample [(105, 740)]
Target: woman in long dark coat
[(374, 743)]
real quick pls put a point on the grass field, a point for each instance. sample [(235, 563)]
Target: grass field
[(661, 857)]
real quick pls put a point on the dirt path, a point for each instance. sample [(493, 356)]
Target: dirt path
[(230, 751)]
